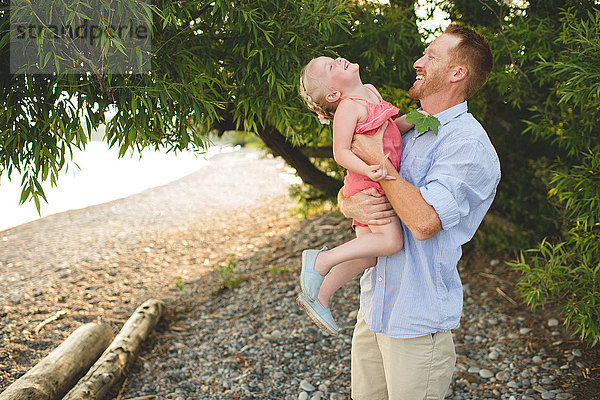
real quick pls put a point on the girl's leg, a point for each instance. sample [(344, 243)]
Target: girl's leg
[(374, 241), (342, 273)]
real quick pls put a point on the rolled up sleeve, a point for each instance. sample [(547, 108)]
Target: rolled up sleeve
[(462, 176)]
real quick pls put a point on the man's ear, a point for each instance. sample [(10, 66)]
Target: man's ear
[(334, 96), (459, 73)]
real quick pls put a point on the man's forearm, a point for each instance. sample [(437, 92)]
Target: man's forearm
[(418, 215)]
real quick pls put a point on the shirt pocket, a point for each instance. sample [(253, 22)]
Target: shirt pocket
[(414, 170)]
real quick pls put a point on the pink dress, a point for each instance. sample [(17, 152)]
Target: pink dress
[(392, 143)]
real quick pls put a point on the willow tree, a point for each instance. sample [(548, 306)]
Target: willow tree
[(209, 66), (214, 65)]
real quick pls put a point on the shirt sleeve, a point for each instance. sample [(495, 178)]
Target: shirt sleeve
[(463, 174)]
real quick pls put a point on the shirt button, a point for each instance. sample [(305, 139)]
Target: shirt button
[(380, 278)]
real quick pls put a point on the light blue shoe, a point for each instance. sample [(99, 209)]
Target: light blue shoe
[(319, 314), (310, 280)]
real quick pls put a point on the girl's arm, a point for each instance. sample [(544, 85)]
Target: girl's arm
[(402, 125), (346, 117)]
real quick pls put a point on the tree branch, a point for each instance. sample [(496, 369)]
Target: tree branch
[(317, 152), (510, 54)]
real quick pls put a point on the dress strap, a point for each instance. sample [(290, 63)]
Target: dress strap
[(354, 98), (365, 100), (375, 93)]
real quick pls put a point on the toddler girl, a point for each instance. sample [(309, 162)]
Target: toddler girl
[(332, 88)]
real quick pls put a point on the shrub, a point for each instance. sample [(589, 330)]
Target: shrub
[(569, 269)]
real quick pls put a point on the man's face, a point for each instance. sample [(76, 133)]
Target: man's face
[(433, 68)]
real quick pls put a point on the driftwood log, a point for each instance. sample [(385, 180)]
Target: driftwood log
[(54, 375), (107, 371)]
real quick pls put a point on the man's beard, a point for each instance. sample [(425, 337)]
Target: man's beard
[(431, 84)]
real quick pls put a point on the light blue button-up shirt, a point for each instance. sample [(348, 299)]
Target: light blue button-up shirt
[(417, 291)]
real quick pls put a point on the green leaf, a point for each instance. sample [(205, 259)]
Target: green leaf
[(423, 123)]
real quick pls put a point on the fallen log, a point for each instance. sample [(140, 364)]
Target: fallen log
[(107, 371), (56, 373)]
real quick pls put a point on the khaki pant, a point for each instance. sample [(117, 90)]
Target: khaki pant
[(400, 369)]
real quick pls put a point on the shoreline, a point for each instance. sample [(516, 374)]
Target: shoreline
[(103, 177)]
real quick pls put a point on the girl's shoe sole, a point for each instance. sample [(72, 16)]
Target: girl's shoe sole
[(314, 317)]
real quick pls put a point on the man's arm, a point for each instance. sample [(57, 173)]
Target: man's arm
[(367, 207), (408, 203), (418, 215)]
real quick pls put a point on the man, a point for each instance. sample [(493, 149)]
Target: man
[(402, 346)]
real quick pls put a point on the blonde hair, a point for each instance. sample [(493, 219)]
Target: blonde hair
[(313, 94)]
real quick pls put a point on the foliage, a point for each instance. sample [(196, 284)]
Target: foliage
[(280, 270), (213, 62), (229, 273), (423, 123), (497, 235), (384, 39), (569, 269), (310, 201), (178, 281), (239, 138), (545, 84)]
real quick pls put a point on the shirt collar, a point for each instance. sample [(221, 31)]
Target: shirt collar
[(450, 113)]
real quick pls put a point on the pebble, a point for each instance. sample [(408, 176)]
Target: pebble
[(486, 373), (502, 375), (276, 334), (564, 396), (552, 322), (306, 386), (316, 395)]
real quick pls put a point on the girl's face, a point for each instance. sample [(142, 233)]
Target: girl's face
[(335, 74)]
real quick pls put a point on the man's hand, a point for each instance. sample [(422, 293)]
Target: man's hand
[(367, 207), (369, 148)]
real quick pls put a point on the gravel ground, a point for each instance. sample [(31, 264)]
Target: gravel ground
[(101, 262), (253, 342), (250, 341)]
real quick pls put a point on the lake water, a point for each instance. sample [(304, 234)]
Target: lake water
[(101, 177)]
